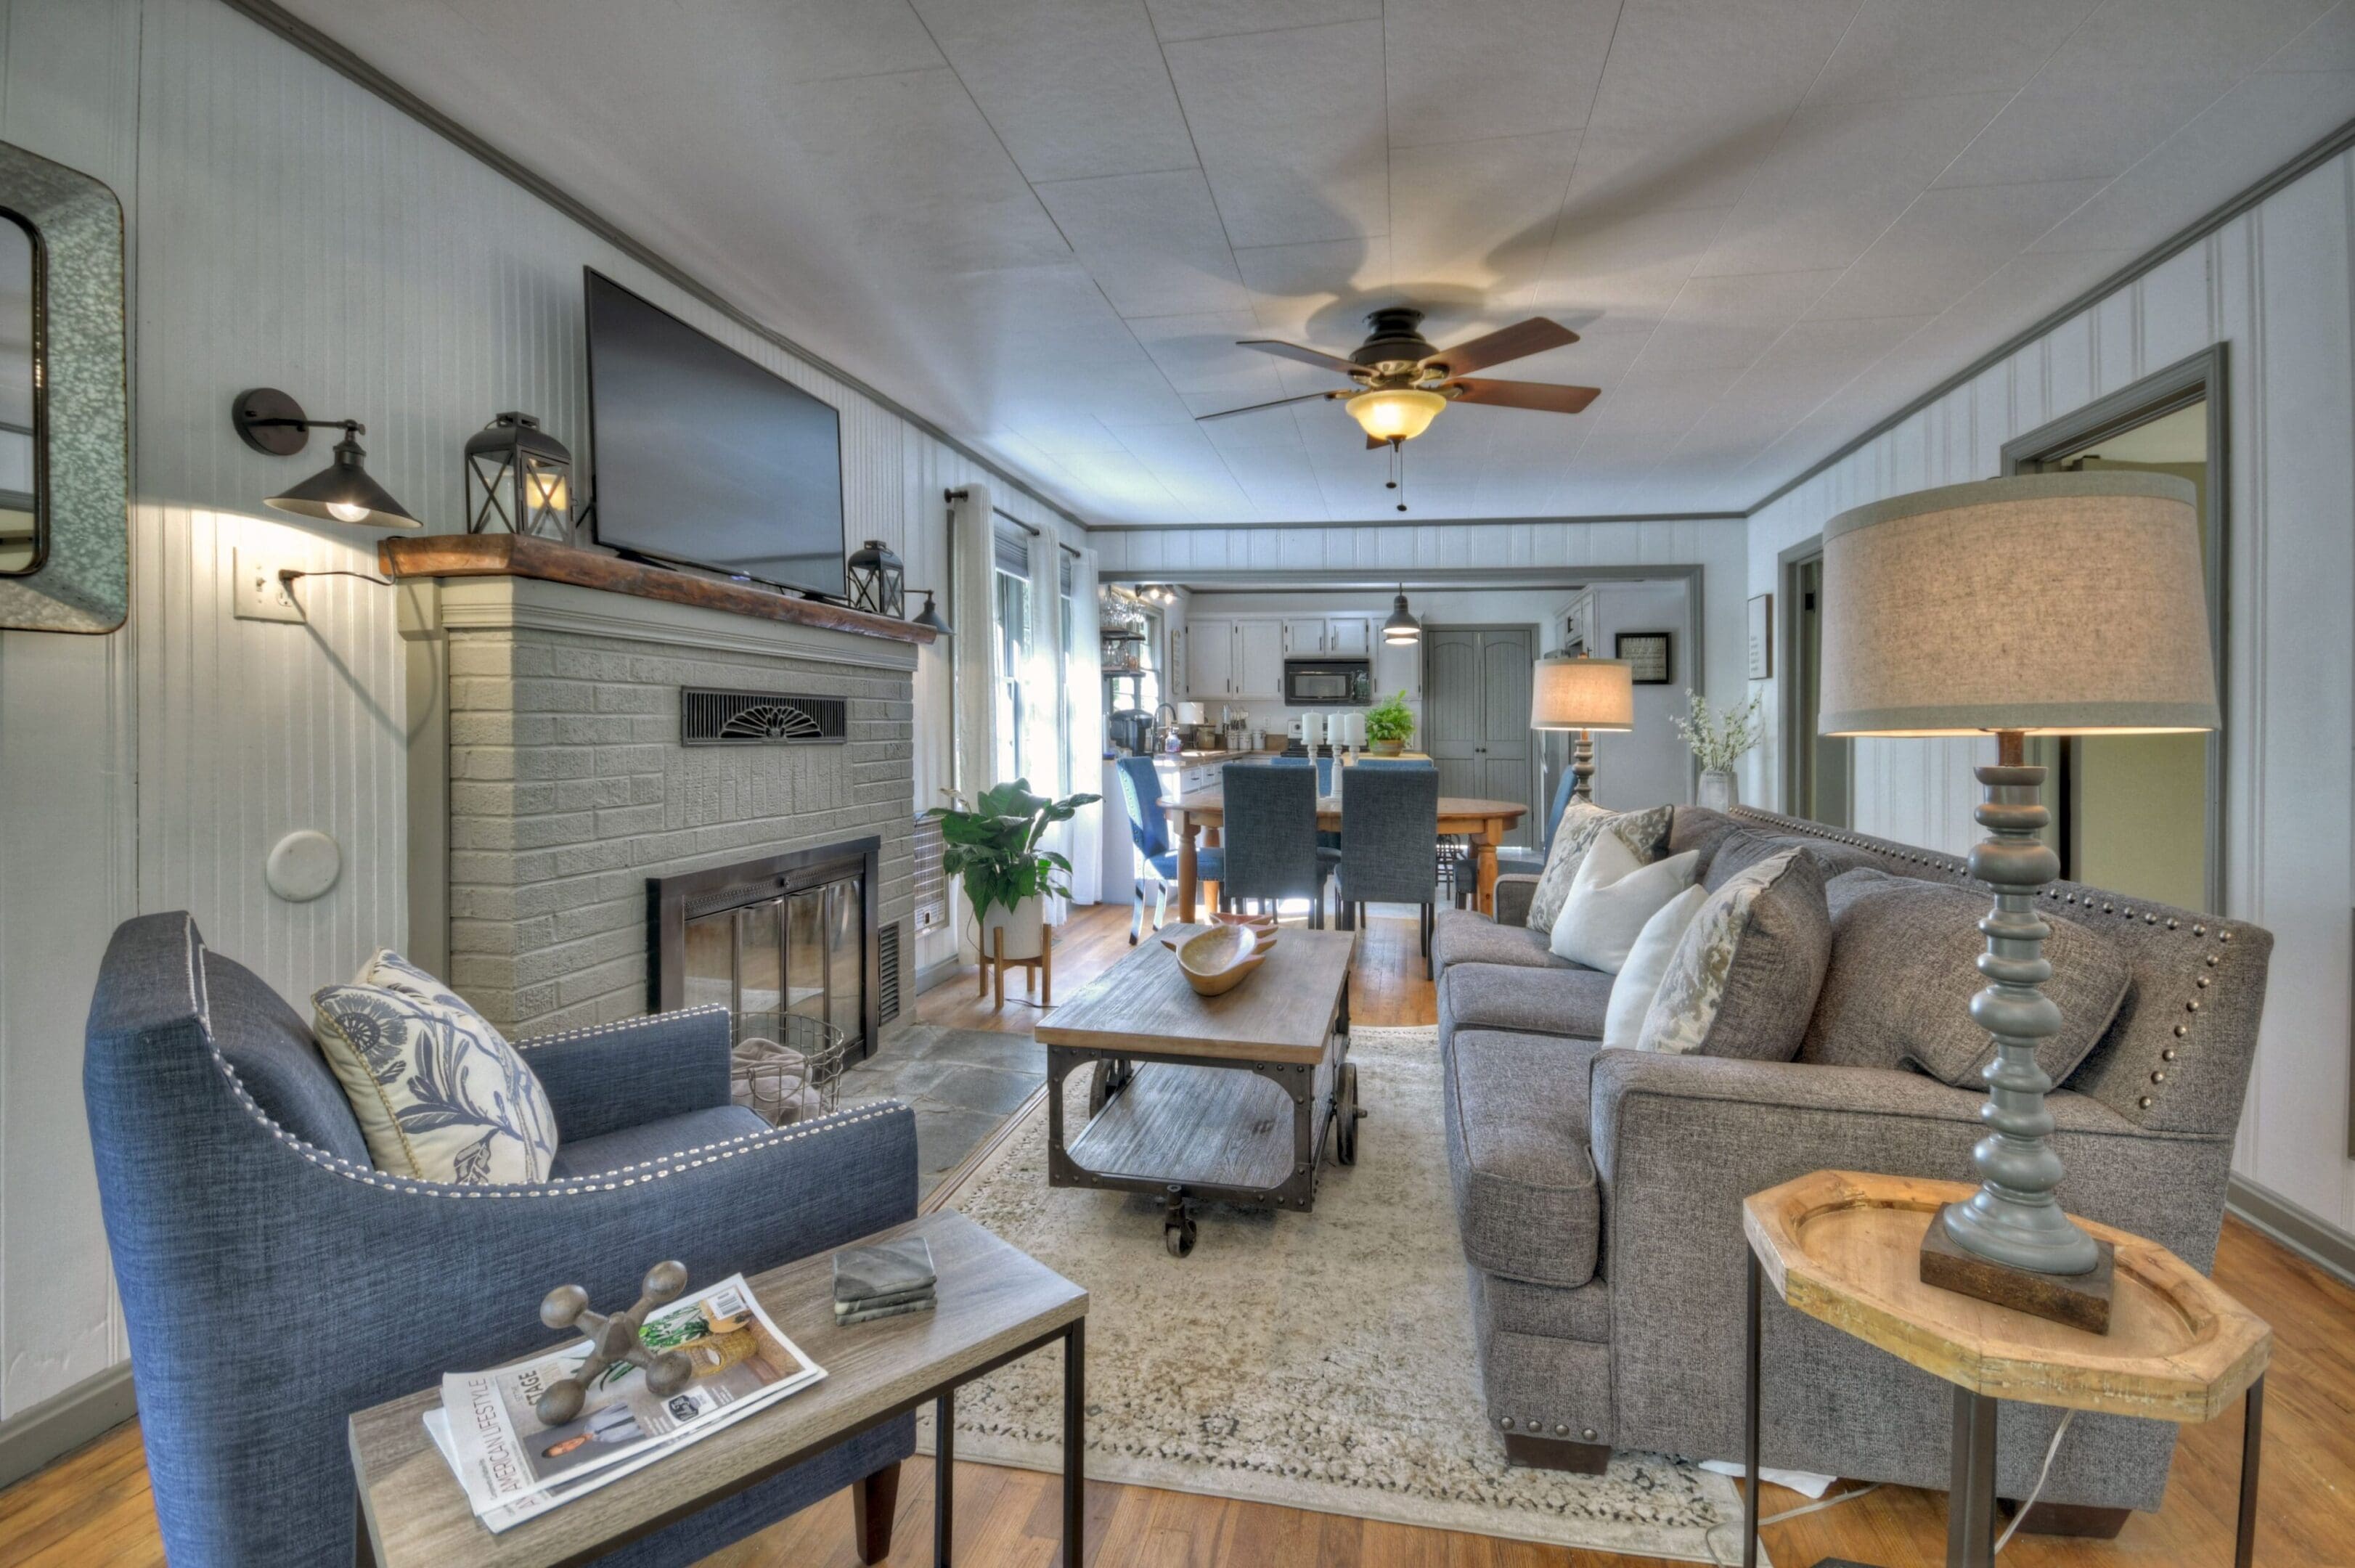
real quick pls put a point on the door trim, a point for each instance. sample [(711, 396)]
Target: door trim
[(2189, 379)]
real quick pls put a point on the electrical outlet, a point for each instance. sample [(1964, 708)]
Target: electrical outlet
[(260, 594)]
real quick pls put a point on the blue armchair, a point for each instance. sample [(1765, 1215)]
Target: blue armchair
[(273, 1282)]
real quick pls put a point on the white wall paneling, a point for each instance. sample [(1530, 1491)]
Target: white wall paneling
[(285, 228), (2273, 286)]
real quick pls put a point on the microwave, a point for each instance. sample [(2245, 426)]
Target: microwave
[(1328, 683)]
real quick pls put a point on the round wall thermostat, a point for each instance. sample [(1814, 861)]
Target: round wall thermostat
[(302, 865)]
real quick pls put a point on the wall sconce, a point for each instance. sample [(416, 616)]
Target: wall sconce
[(518, 480), (878, 581), (271, 422), (931, 617)]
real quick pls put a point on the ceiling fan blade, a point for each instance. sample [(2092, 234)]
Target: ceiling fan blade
[(1316, 356), (1517, 341), (1254, 407), (1544, 395)]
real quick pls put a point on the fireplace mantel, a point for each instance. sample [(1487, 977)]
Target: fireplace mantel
[(522, 555)]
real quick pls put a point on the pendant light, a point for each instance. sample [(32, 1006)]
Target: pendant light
[(269, 421), (1401, 630)]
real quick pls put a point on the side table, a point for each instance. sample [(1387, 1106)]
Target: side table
[(996, 1304), (1843, 1247)]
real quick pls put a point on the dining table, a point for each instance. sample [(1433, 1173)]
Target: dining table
[(1484, 822)]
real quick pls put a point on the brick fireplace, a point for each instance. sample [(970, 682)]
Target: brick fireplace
[(598, 741)]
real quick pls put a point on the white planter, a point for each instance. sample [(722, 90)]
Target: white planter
[(1024, 926), (1718, 789)]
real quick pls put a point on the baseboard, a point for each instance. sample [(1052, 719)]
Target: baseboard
[(63, 1422), (931, 974), (2308, 1235)]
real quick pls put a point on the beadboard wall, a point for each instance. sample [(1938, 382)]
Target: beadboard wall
[(284, 228), (2273, 286)]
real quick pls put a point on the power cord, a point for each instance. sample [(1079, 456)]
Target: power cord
[(2043, 1473), (287, 574)]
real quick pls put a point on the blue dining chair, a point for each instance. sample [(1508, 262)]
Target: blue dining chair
[(1389, 842), (1156, 858), (1328, 845), (1271, 836)]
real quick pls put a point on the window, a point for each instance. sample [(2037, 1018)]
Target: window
[(1012, 615)]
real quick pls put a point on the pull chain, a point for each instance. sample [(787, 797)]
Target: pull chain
[(1397, 480)]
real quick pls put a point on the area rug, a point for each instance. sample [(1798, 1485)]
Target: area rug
[(1320, 1360)]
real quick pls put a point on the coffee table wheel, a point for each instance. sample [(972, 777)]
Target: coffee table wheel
[(1108, 1077), (1346, 1111), (1177, 1225)]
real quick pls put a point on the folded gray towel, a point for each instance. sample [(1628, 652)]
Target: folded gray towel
[(844, 1308), (869, 1314), (885, 1268)]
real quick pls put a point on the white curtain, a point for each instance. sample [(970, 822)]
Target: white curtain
[(1083, 679), (972, 605)]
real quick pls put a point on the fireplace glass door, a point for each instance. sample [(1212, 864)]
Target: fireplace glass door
[(797, 952)]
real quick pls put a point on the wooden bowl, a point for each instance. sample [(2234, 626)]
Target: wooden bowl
[(1216, 961)]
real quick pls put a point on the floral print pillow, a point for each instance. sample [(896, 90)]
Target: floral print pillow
[(438, 1093), (1744, 977), (1645, 832)]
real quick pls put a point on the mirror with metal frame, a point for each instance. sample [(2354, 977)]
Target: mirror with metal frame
[(64, 445)]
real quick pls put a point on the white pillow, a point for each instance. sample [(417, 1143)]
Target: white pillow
[(1614, 895), (1648, 960)]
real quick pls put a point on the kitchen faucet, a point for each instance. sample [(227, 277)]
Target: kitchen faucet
[(1162, 733)]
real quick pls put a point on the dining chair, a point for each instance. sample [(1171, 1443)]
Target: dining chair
[(1148, 832), (1390, 843), (1271, 836), (1328, 845)]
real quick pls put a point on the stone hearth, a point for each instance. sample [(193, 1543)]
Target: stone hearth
[(567, 785)]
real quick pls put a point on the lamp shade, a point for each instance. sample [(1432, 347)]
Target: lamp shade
[(343, 492), (2053, 603), (1395, 414), (1582, 694)]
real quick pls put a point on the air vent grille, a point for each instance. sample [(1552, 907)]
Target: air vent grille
[(708, 718), (887, 959)]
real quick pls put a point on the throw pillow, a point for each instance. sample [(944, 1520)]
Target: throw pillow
[(1615, 893), (1645, 831), (1904, 967), (438, 1093), (1744, 977), (1647, 962)]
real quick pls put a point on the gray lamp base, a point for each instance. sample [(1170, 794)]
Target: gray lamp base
[(2080, 1300)]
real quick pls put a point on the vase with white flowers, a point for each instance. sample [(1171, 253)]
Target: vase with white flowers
[(1719, 737)]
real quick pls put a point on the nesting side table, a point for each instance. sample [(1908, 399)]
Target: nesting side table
[(1844, 1248)]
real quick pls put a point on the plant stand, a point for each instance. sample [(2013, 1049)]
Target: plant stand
[(1040, 982)]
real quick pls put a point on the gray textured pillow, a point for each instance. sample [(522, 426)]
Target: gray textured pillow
[(1745, 977), (1903, 970), (1645, 832), (1742, 847)]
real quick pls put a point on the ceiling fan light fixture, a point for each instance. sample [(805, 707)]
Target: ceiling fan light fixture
[(1395, 414)]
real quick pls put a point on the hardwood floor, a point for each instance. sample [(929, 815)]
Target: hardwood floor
[(92, 1506)]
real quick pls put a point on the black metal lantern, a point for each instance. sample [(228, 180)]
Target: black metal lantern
[(518, 480), (877, 581)]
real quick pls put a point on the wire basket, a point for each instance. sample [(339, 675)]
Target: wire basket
[(793, 1079)]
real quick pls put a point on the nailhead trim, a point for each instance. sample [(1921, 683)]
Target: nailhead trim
[(645, 1020), (568, 1187)]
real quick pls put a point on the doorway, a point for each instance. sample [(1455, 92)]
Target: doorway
[(1818, 770), (1475, 713), (2144, 814)]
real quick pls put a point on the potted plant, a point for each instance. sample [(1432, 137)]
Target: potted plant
[(1719, 737), (1387, 727), (993, 844)]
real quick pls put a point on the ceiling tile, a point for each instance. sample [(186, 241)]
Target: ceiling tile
[(794, 40), (1074, 88), (1946, 242), (1318, 290), (1289, 129), (1153, 242), (1841, 173), (1181, 19), (1919, 48), (1607, 269), (1724, 322), (1711, 67), (1475, 217), (1459, 71), (1198, 354)]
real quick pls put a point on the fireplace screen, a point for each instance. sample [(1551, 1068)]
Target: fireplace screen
[(789, 936)]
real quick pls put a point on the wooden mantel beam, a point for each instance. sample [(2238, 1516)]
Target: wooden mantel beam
[(522, 555)]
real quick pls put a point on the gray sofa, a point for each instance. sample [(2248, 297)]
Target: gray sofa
[(1599, 1192)]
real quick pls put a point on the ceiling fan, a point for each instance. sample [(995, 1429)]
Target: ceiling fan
[(1401, 382)]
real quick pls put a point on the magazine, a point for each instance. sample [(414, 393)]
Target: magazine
[(512, 1465)]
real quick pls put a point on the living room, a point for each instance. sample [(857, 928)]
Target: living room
[(579, 517)]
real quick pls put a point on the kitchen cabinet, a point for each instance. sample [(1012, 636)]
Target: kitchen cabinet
[(1259, 660), (1209, 660), (1304, 636), (1349, 636)]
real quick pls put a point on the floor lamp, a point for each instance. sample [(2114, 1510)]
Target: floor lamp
[(2046, 604), (1585, 695)]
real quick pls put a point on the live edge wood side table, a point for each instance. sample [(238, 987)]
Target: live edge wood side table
[(1844, 1248), (996, 1304)]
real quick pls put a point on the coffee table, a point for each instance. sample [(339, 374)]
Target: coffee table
[(996, 1304), (1194, 1097)]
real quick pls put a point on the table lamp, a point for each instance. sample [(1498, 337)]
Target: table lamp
[(2045, 605), (1585, 695)]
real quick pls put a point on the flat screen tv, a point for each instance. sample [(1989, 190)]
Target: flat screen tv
[(704, 458)]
